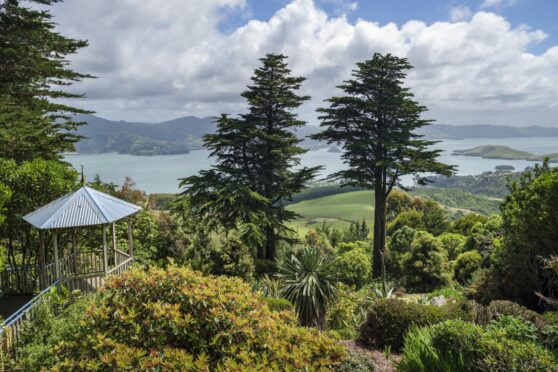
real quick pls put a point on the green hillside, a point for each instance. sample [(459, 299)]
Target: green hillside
[(336, 210)]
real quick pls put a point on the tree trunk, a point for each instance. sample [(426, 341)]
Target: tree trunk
[(269, 243), (379, 231)]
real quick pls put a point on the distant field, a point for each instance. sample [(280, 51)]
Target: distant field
[(338, 211)]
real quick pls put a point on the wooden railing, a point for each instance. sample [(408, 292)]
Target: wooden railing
[(84, 272), (10, 329)]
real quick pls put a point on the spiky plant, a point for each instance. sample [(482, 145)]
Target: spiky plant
[(309, 283)]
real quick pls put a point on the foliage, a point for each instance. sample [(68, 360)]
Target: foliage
[(380, 146), (451, 292), (257, 158), (347, 312), (513, 327), (264, 267), (278, 304), (270, 287), (31, 185), (411, 218), (530, 229), (465, 223), (34, 123), (354, 267), (456, 345), (175, 318), (508, 308), (425, 267), (389, 319), (231, 257), (356, 362), (453, 244), (309, 284), (318, 240), (491, 184), (465, 265), (349, 246), (399, 245)]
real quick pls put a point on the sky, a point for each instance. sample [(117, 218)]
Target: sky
[(475, 61)]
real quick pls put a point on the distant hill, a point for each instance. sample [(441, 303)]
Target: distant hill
[(178, 136), (444, 131), (504, 152), (184, 134)]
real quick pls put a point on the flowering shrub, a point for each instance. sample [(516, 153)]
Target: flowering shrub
[(175, 318)]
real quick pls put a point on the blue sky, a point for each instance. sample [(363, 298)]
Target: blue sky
[(538, 14)]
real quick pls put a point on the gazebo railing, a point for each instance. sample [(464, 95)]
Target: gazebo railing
[(10, 329)]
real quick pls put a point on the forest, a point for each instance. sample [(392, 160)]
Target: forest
[(227, 275)]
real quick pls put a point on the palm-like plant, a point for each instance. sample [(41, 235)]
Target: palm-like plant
[(309, 283)]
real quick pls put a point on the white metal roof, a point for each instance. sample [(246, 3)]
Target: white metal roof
[(83, 207)]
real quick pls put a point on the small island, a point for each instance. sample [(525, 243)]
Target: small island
[(504, 152)]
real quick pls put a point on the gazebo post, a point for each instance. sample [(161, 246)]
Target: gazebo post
[(56, 262), (113, 226), (74, 250), (42, 260), (130, 239), (105, 258)]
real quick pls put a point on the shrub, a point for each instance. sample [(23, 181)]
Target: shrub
[(354, 267), (513, 327), (347, 312), (232, 257), (389, 319), (349, 246), (453, 244), (411, 218), (425, 268), (175, 318), (455, 345), (399, 244), (355, 362), (450, 292), (264, 267), (449, 346), (278, 304), (502, 307), (465, 265)]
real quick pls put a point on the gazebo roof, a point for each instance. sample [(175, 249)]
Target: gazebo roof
[(83, 207)]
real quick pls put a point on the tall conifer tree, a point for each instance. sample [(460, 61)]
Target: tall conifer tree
[(257, 159), (376, 123), (34, 123)]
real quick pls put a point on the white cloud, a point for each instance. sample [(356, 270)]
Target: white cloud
[(158, 60), (460, 13)]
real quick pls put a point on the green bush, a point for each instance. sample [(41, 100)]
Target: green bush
[(465, 265), (425, 267), (354, 267), (347, 312), (278, 304), (456, 345), (355, 362), (388, 320), (453, 244), (411, 218), (449, 346), (502, 307), (399, 244), (264, 267), (177, 319), (349, 246)]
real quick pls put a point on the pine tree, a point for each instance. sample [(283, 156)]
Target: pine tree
[(33, 68), (257, 162), (375, 123)]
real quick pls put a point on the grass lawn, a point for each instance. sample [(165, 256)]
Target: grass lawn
[(338, 211)]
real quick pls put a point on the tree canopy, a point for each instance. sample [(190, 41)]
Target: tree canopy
[(375, 123), (257, 157), (35, 121)]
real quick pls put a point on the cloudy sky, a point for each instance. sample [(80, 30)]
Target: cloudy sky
[(476, 61)]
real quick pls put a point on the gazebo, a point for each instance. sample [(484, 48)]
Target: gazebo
[(84, 207)]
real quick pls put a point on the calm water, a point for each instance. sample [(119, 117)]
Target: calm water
[(161, 173)]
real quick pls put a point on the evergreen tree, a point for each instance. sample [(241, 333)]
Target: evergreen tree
[(257, 159), (33, 68), (375, 123)]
